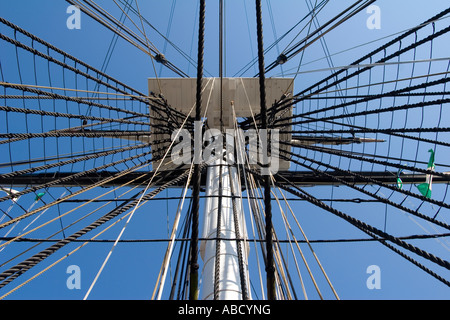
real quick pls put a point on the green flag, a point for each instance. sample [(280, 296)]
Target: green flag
[(425, 188), (39, 196), (399, 180)]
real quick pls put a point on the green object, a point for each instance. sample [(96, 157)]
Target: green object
[(39, 196), (399, 183), (431, 161), (399, 180), (425, 188)]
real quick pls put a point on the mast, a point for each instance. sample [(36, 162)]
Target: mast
[(224, 252), (225, 270)]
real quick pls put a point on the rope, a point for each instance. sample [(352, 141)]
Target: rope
[(375, 96), (310, 247), (169, 250), (258, 240), (240, 144), (117, 240), (363, 226), (376, 111), (193, 293), (66, 55), (373, 231), (14, 272), (238, 237), (62, 64), (61, 259), (384, 200), (55, 96), (75, 222), (307, 42), (270, 270), (287, 226), (140, 44), (218, 236), (88, 201), (300, 96), (282, 105), (396, 40), (67, 115), (56, 202), (63, 163)]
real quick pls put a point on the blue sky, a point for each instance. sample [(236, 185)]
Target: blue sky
[(132, 270)]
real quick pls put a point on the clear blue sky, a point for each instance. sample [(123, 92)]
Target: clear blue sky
[(132, 270)]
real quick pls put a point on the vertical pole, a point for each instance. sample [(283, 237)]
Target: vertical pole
[(270, 266), (223, 281), (221, 61), (218, 265), (221, 38), (193, 292)]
